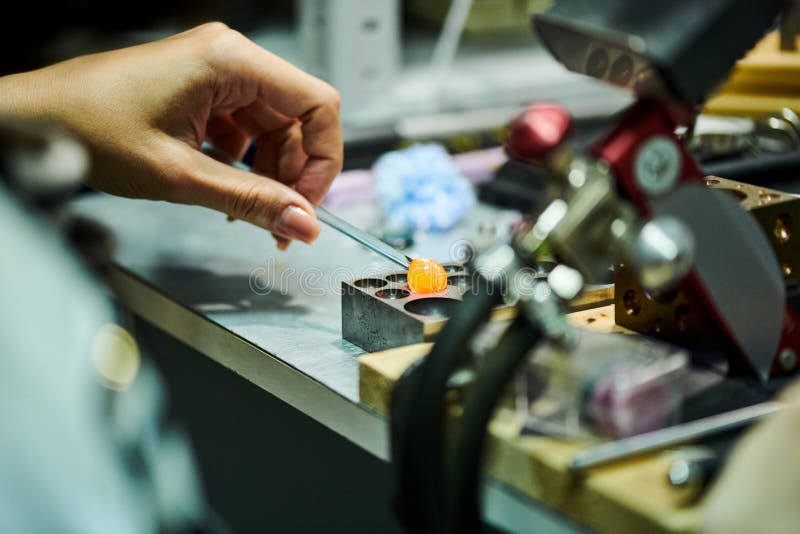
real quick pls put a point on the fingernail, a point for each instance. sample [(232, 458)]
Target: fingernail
[(281, 242), (298, 224)]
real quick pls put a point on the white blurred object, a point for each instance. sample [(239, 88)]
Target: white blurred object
[(86, 446), (483, 85), (354, 45), (447, 45)]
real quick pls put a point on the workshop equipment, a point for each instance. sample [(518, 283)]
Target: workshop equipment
[(655, 173), (669, 315), (768, 77), (378, 313), (626, 448), (613, 386), (638, 45), (381, 312), (717, 137), (635, 198)]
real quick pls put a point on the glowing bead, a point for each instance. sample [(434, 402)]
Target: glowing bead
[(426, 276)]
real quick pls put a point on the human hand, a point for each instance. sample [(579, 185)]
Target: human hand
[(145, 111), (760, 485)]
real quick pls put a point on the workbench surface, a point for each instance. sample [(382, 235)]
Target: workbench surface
[(273, 317)]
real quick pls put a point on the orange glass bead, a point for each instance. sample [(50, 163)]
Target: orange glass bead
[(426, 276)]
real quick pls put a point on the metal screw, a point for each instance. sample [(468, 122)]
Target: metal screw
[(680, 473), (787, 359), (657, 165)]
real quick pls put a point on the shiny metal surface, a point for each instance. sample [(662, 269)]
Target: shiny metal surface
[(736, 264), (351, 420), (659, 439)]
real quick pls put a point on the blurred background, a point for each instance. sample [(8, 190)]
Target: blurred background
[(407, 70)]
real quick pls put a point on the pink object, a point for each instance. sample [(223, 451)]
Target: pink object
[(351, 186), (626, 402)]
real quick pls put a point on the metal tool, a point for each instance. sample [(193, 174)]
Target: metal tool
[(363, 238), (625, 448), (640, 172), (358, 235), (622, 201)]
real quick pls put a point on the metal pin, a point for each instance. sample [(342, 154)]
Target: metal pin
[(362, 237), (658, 439), (356, 234)]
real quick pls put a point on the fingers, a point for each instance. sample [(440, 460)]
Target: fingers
[(279, 153), (244, 195), (294, 94), (226, 135), (322, 143), (762, 459), (258, 118), (208, 27)]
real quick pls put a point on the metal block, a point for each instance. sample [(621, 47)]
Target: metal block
[(669, 316), (381, 312)]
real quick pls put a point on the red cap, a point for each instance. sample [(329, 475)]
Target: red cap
[(540, 129)]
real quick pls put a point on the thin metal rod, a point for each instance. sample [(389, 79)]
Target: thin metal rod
[(658, 439), (358, 235), (362, 237)]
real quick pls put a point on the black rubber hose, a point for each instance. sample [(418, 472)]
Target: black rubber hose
[(468, 447), (417, 429)]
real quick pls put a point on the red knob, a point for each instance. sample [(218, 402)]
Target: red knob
[(538, 131)]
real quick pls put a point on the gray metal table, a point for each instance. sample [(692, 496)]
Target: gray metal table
[(272, 317)]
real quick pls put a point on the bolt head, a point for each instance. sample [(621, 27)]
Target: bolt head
[(657, 165), (787, 359), (663, 253), (566, 282)]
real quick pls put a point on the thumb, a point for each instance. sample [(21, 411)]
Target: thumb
[(256, 199), (791, 393)]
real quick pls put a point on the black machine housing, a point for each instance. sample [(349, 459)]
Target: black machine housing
[(678, 49)]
